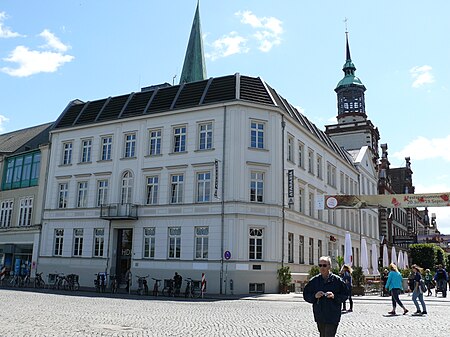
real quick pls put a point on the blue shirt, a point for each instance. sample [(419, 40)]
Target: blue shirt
[(394, 281)]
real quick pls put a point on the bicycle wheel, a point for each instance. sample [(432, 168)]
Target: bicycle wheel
[(76, 286)]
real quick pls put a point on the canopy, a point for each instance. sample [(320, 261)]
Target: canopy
[(385, 256), (405, 259), (364, 258), (401, 264), (375, 259), (348, 257), (394, 256)]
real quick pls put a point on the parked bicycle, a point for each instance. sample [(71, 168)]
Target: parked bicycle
[(100, 282), (69, 282), (168, 288), (156, 286), (114, 284), (190, 291), (142, 285), (39, 281)]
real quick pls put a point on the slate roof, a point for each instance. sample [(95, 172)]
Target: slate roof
[(12, 141), (159, 99)]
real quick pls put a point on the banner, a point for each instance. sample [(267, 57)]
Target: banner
[(290, 183), (388, 201)]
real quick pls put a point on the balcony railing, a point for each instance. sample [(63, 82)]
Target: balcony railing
[(119, 212)]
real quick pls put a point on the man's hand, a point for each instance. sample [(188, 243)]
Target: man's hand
[(319, 294), (329, 295)]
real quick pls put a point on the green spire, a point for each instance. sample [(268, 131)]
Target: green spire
[(194, 68), (349, 70)]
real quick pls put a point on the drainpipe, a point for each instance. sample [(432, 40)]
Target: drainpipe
[(283, 125), (222, 213), (107, 249)]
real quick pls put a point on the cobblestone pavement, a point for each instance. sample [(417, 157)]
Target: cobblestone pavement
[(27, 313)]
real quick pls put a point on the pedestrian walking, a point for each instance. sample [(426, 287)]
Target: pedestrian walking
[(128, 277), (326, 292), (429, 281), (418, 290), (384, 277), (441, 278), (394, 286), (346, 274)]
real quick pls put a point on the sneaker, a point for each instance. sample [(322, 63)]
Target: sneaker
[(418, 312), (424, 312), (391, 313), (405, 311), (350, 310), (344, 310)]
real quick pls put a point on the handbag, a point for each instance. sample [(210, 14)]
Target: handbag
[(422, 285)]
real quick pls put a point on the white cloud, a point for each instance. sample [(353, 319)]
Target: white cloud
[(423, 148), (3, 120), (269, 29), (6, 32), (32, 62), (421, 75), (228, 45), (53, 42)]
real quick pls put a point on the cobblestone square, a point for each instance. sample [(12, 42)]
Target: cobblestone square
[(26, 313)]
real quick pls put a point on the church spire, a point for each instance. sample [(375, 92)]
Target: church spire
[(194, 68)]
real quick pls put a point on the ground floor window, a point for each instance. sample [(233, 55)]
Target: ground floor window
[(256, 287)]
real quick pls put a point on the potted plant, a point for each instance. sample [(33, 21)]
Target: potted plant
[(358, 280), (284, 279)]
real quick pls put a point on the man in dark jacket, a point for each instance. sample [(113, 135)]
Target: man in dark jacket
[(326, 292)]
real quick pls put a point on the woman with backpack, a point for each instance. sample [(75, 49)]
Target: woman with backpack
[(419, 289)]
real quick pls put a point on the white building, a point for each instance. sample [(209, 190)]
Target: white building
[(169, 179)]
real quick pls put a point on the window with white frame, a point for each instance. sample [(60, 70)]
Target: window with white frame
[(155, 142), (78, 242), (331, 175), (291, 247), (319, 167), (176, 188), (332, 216), (130, 145), (86, 150), (126, 188), (347, 184), (203, 186), (67, 153), (59, 241), (152, 190), (290, 148), (311, 251), (301, 155), (201, 242), (99, 242), (102, 192), (63, 190), (319, 249), (257, 135), (301, 203), (256, 186), (6, 208), (106, 143), (301, 249), (26, 211), (179, 139), (82, 194), (342, 183), (174, 242), (311, 204), (149, 242), (310, 161), (255, 244), (205, 135)]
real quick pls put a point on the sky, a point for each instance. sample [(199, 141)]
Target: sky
[(53, 51)]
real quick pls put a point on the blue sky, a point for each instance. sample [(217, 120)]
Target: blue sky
[(55, 51)]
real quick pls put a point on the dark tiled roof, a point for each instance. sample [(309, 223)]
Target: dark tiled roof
[(12, 141), (165, 98)]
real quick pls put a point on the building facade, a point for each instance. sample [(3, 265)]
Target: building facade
[(23, 167)]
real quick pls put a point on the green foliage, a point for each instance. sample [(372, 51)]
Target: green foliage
[(284, 275), (405, 272), (340, 261), (313, 272), (358, 277), (441, 256), (335, 270), (424, 254), (448, 263)]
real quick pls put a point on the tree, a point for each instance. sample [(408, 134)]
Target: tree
[(424, 255), (284, 278)]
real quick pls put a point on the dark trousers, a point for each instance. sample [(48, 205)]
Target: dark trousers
[(395, 299), (344, 305), (327, 330)]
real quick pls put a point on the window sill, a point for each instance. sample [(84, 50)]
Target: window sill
[(104, 160), (153, 155), (205, 150), (176, 153), (84, 162), (257, 149), (128, 158), (64, 165)]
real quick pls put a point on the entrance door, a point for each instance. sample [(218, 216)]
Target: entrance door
[(124, 248)]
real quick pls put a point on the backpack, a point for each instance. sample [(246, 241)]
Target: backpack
[(422, 286)]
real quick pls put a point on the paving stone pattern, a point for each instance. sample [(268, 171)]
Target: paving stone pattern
[(26, 313)]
